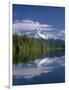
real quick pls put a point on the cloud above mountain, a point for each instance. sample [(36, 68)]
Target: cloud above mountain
[(20, 26), (29, 25)]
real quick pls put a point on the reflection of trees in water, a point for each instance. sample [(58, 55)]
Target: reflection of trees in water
[(23, 58), (26, 49)]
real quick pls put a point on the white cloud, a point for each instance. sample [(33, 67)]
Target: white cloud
[(60, 34), (29, 25)]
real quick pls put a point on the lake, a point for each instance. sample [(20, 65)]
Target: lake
[(42, 70)]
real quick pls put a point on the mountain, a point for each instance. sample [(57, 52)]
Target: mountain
[(34, 34)]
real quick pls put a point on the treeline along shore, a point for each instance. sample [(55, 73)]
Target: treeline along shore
[(27, 48)]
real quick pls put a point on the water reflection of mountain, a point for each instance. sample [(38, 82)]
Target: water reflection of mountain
[(27, 58), (37, 67)]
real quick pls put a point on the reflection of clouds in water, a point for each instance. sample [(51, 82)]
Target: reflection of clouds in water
[(51, 61), (38, 67)]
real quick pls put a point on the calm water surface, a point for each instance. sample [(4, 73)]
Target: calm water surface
[(49, 69)]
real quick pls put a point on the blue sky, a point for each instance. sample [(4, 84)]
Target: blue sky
[(47, 17)]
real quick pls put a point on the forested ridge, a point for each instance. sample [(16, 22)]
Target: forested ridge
[(25, 47)]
